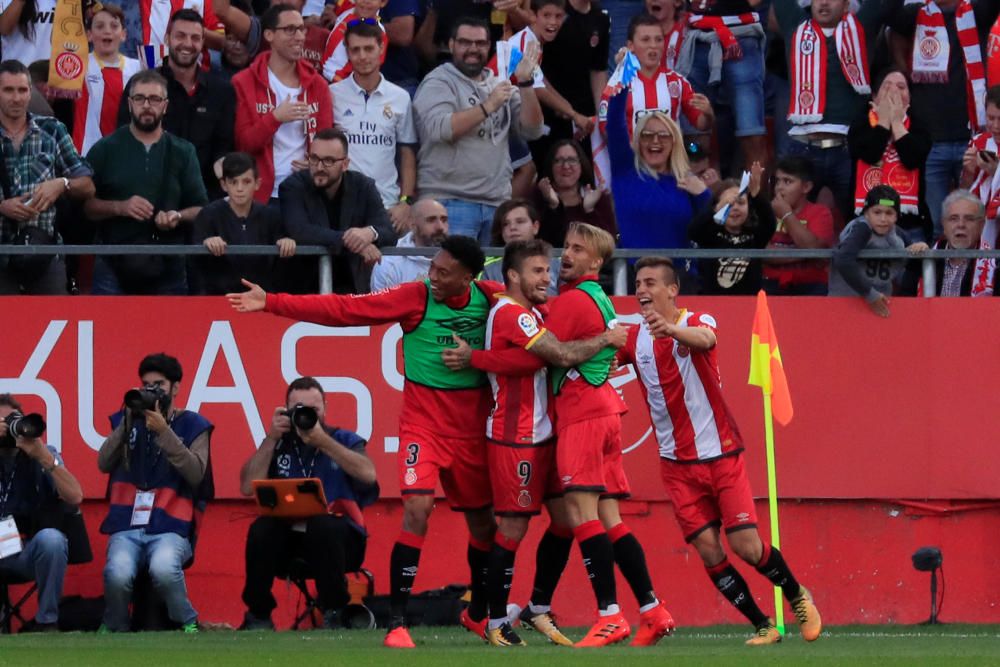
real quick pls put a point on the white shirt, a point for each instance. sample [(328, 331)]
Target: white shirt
[(290, 139), (375, 125), (17, 47), (398, 269)]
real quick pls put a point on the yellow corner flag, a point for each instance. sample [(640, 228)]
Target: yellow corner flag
[(766, 370)]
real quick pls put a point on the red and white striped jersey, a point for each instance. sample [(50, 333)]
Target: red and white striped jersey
[(683, 392), (672, 45), (521, 412), (156, 16), (95, 112), (665, 91), (336, 66), (985, 186)]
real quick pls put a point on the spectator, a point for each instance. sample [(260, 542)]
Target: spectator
[(749, 223), (890, 148), (281, 102), (829, 84), (701, 163), (336, 65), (160, 483), (241, 24), (234, 59), (941, 83), (149, 190), (464, 116), (238, 220), (875, 229), (26, 29), (801, 224), (400, 65), (655, 194), (671, 17), (376, 117), (332, 206), (108, 73), (332, 544), (980, 159), (433, 38), (963, 219), (157, 17), (202, 106), (723, 54), (516, 220), (37, 488), (39, 167), (566, 194), (428, 228)]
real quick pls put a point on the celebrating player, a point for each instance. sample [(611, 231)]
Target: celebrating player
[(701, 449), (520, 433), (442, 423)]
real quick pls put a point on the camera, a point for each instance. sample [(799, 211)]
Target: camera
[(22, 426), (302, 416), (145, 398)]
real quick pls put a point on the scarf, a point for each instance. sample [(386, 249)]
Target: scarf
[(720, 25), (889, 171), (808, 67), (68, 64), (672, 45), (931, 51), (993, 55)]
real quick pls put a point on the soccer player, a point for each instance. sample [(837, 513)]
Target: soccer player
[(521, 438), (442, 423), (701, 460)]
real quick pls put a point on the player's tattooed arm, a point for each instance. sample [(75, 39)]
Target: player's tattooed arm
[(575, 352)]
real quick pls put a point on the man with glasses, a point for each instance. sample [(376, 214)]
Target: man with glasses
[(464, 116), (341, 209), (281, 102), (963, 217), (149, 190)]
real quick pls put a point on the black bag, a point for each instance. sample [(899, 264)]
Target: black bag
[(25, 269), (441, 606)]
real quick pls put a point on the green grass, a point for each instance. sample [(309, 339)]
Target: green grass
[(452, 647)]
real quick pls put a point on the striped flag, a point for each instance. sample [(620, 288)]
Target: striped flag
[(766, 370), (621, 78), (151, 55)]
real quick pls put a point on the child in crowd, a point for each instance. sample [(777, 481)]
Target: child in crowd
[(876, 229), (801, 224), (748, 223), (238, 220)]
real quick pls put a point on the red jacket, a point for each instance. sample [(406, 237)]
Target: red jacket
[(255, 122)]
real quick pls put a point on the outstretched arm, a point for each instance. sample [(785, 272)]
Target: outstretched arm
[(575, 352)]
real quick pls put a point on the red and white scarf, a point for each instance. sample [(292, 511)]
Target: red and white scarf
[(721, 26), (931, 51), (889, 171), (808, 66), (987, 188)]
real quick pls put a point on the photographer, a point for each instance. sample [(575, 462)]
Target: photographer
[(33, 481), (157, 457), (333, 543)]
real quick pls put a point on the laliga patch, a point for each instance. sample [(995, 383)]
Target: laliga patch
[(708, 320), (528, 324)]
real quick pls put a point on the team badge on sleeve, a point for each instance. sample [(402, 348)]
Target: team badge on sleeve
[(528, 324)]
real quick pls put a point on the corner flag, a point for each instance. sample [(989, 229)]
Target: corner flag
[(766, 370)]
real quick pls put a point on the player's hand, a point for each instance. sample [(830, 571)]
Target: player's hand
[(216, 245), (281, 423), (250, 301), (525, 70), (880, 306), (399, 215), (657, 324), (616, 337), (458, 357), (155, 421), (286, 247), (499, 96)]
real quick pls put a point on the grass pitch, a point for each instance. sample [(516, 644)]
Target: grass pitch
[(454, 647)]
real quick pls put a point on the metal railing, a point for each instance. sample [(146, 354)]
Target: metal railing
[(619, 262)]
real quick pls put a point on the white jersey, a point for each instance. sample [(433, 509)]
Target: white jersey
[(39, 46)]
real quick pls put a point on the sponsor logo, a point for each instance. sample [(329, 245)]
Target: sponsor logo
[(460, 324), (743, 517), (566, 479), (348, 113), (284, 462), (705, 318), (528, 324)]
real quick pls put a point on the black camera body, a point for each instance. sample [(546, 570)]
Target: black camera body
[(22, 426), (145, 398), (302, 416)]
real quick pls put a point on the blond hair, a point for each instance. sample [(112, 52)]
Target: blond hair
[(598, 240), (678, 164)]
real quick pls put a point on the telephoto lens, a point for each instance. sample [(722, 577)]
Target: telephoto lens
[(303, 417), (145, 398), (25, 426)]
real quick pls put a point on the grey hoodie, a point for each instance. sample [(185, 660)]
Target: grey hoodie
[(868, 278), (475, 167)]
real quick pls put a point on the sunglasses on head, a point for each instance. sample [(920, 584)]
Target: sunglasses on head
[(354, 22)]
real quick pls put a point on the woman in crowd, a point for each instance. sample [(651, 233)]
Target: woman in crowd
[(566, 194), (26, 28)]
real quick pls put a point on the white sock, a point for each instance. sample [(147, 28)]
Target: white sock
[(497, 622), (610, 611), (537, 609), (647, 607)]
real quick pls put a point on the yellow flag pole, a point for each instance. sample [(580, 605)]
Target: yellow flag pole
[(772, 503)]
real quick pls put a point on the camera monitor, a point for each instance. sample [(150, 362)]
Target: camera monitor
[(290, 498)]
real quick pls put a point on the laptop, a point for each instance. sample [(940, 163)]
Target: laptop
[(290, 498)]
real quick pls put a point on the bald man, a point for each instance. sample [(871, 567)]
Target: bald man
[(428, 227)]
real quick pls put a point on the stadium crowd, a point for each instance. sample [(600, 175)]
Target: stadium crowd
[(225, 122)]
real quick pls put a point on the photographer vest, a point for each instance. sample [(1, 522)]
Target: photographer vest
[(596, 369), (176, 505)]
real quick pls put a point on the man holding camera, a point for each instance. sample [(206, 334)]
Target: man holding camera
[(33, 481), (300, 445), (157, 457)]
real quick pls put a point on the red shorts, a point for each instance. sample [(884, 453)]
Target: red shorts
[(522, 477), (589, 457), (714, 493), (459, 463)]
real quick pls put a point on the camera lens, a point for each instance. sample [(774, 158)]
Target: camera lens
[(25, 426), (304, 417)]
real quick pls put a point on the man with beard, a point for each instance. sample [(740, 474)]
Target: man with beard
[(202, 105), (329, 205), (149, 189), (429, 227), (464, 117)]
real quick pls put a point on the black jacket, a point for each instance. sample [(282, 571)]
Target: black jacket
[(733, 275), (205, 119), (306, 220)]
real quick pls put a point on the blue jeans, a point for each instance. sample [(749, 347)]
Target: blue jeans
[(164, 556), (832, 167), (173, 281), (467, 218), (942, 172), (44, 561), (743, 81)]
